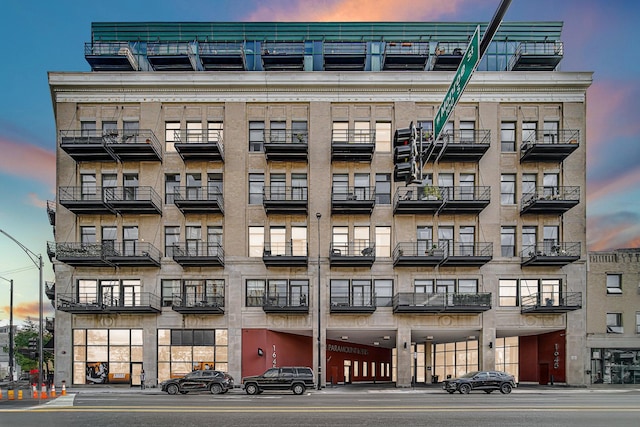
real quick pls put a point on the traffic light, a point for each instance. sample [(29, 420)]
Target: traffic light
[(33, 347), (406, 158)]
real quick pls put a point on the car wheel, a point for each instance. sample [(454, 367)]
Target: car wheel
[(172, 389), (464, 388), (488, 391), (298, 389), (251, 389), (215, 389), (505, 388)]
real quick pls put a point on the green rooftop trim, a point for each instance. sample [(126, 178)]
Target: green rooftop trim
[(317, 31)]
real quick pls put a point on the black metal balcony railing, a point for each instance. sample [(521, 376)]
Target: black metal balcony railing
[(113, 56), (200, 144), (126, 302), (352, 145), (220, 48), (50, 290), (108, 253), (550, 253), (285, 194), (537, 56), (197, 253), (105, 48), (447, 56), (51, 212), (87, 200), (111, 144), (465, 199), (286, 304), (458, 145), (552, 200), (407, 302), (427, 253), (50, 324), (168, 48), (285, 254), (545, 145), (198, 304), (352, 136), (282, 48), (222, 56), (551, 302), (197, 199), (352, 304)]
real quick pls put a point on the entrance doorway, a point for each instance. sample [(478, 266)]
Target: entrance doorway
[(136, 370), (347, 371), (544, 374)]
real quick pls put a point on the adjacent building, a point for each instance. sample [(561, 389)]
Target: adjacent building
[(226, 199)]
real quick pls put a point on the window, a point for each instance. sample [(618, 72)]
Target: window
[(88, 187), (87, 291), (169, 288), (508, 293), (445, 238), (109, 184), (130, 190), (362, 132), (109, 235), (383, 292), (277, 240), (256, 136), (528, 184), (507, 189), (423, 286), (278, 186), (255, 293), (194, 186), (256, 241), (383, 137), (550, 240), (340, 240), (300, 132), (383, 189), (355, 293), (425, 240), (361, 186), (130, 240), (614, 323), (467, 132), (445, 182), (427, 129), (256, 188), (171, 187), (508, 241), (529, 238), (467, 239), (299, 241), (383, 241), (550, 185), (340, 186), (214, 186), (637, 322), (88, 129), (130, 129), (467, 286), (529, 132), (194, 132), (550, 131), (171, 238), (277, 132), (360, 239), (340, 132), (467, 186), (171, 135), (193, 238), (614, 284), (88, 235), (507, 137), (110, 128), (292, 293), (214, 240), (215, 132), (299, 186)]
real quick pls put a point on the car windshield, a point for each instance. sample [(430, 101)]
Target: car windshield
[(470, 374)]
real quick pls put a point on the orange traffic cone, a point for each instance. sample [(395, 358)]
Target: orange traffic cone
[(64, 389), (43, 391), (0, 394), (10, 394), (35, 391), (53, 390), (19, 394)]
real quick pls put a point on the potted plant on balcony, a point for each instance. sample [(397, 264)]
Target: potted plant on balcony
[(430, 192)]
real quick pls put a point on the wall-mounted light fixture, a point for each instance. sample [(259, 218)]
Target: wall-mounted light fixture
[(376, 343), (260, 352), (344, 337), (405, 344), (490, 344)]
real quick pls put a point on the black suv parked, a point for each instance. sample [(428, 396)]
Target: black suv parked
[(296, 379), (486, 381), (215, 382)]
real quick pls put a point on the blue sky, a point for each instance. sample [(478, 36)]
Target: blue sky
[(43, 35)]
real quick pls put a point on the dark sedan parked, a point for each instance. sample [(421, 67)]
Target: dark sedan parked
[(486, 381), (215, 382)]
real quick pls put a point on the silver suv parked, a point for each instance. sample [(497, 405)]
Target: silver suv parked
[(294, 378)]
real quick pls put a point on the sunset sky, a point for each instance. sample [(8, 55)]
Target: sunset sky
[(43, 35)]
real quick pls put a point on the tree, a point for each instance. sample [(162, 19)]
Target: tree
[(25, 358)]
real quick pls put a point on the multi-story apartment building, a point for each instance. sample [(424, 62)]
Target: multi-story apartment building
[(613, 320), (226, 197)]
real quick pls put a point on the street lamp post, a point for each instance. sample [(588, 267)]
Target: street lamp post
[(318, 215), (37, 260), (11, 356)]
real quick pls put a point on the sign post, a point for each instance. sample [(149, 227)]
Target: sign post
[(467, 66)]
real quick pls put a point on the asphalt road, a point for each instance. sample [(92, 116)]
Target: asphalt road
[(389, 407)]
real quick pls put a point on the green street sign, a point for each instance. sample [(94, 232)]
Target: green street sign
[(466, 68)]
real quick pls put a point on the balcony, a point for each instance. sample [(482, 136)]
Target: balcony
[(286, 304), (110, 200), (200, 145), (344, 56), (352, 145), (433, 303), (50, 290), (352, 254), (198, 304), (417, 200), (129, 302), (550, 200), (418, 254), (550, 254), (50, 324), (290, 254), (551, 303), (111, 56), (51, 211), (399, 56), (282, 56), (107, 254), (111, 145), (447, 56), (461, 254), (171, 56), (285, 200), (458, 146), (465, 199), (205, 200), (286, 145), (195, 253), (537, 56), (222, 56), (353, 200), (549, 146), (363, 304)]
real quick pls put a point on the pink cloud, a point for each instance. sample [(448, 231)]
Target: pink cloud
[(28, 161), (354, 10), (34, 200), (614, 186), (617, 230)]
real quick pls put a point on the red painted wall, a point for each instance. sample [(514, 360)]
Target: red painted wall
[(339, 351), (538, 350), (290, 350)]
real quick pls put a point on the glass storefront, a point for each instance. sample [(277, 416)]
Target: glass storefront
[(455, 359), (507, 358), (102, 356), (181, 351), (615, 366)]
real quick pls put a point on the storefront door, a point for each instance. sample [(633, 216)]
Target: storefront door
[(136, 369)]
